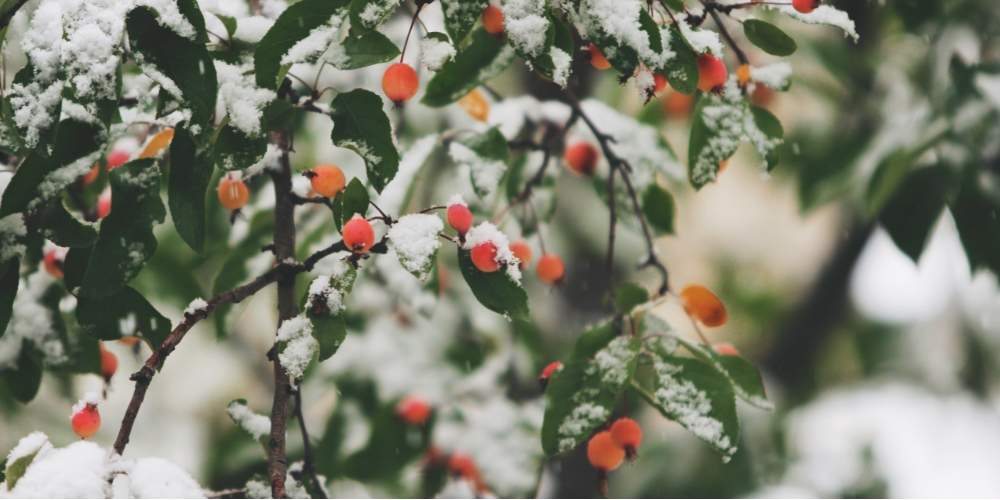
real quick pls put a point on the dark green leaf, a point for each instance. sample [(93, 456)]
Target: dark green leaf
[(278, 114), (916, 206), (75, 266), (190, 10), (375, 13), (484, 58), (15, 470), (330, 331), (190, 171), (497, 291), (629, 296), (360, 124), (61, 228), (229, 23), (291, 27), (593, 340), (888, 175), (682, 70), (24, 380), (659, 209), (712, 143), (978, 223), (576, 403), (769, 38), (368, 49), (125, 312), (460, 16), (774, 133), (8, 290), (235, 150), (352, 200)]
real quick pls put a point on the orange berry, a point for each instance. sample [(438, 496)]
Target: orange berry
[(522, 251), (550, 268), (597, 59), (493, 20), (723, 165), (475, 104), (484, 257), (459, 218), (700, 303), (118, 158), (627, 435), (413, 410), (678, 105), (109, 363), (87, 421), (91, 176), (233, 194), (661, 84), (104, 203), (400, 83), (358, 234), (326, 179), (726, 349), (157, 143), (581, 158), (712, 73), (805, 6), (53, 262), (603, 453), (743, 75)]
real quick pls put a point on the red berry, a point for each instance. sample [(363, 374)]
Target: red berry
[(627, 435), (400, 83), (459, 218), (109, 364), (543, 379), (358, 234), (603, 453), (117, 158), (463, 466), (550, 268), (661, 84), (805, 6), (701, 304), (581, 158), (678, 105), (493, 20), (597, 59), (54, 262), (522, 251), (233, 194), (327, 180), (104, 203), (484, 257), (413, 410), (87, 421), (712, 73), (726, 349)]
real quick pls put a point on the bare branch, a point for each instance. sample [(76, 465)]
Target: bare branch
[(309, 464)]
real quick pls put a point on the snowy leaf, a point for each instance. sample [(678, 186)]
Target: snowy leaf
[(716, 127), (294, 25), (324, 305), (460, 16), (625, 33), (21, 457), (352, 200), (486, 156), (682, 70), (497, 290), (483, 58), (125, 313), (190, 171), (126, 239), (192, 13), (744, 376), (777, 76), (592, 340), (824, 15), (65, 230), (659, 208), (765, 133), (360, 124), (769, 37), (435, 50), (234, 150), (366, 15), (25, 378), (329, 331), (978, 227), (415, 239), (34, 108), (544, 42), (258, 426)]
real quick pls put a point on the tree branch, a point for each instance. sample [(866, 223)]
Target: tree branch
[(308, 465), (710, 8)]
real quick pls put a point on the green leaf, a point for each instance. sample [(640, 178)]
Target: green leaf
[(190, 171), (235, 150), (190, 10), (125, 312), (629, 296), (126, 240), (659, 209), (325, 311), (75, 266), (486, 155), (291, 27), (35, 137), (8, 290), (592, 340), (65, 230), (360, 124), (497, 290), (553, 58), (229, 23), (770, 136), (916, 206), (366, 15), (278, 114), (744, 376), (681, 71), (366, 50), (352, 200), (978, 223), (15, 470), (886, 179), (769, 38), (715, 136), (182, 67), (23, 382), (460, 16), (484, 58)]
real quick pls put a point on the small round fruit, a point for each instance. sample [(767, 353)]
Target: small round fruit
[(54, 262), (233, 194), (581, 158), (459, 218), (413, 410), (700, 303), (327, 180), (87, 421), (726, 349), (91, 175), (109, 364), (805, 6), (660, 84), (522, 251), (104, 203), (543, 379), (743, 75), (400, 83), (597, 59), (358, 234), (493, 20), (603, 453), (476, 105), (118, 157), (484, 257), (550, 268), (722, 165), (712, 73), (678, 105), (464, 466), (761, 96), (627, 435)]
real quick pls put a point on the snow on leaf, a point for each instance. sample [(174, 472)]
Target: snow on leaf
[(826, 15), (641, 145), (257, 425), (297, 345), (415, 239)]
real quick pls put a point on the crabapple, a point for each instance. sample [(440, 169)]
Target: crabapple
[(129, 341), (711, 73), (701, 304), (400, 83), (463, 466), (118, 158), (603, 453), (109, 363), (581, 158), (459, 218), (726, 349), (743, 75), (493, 20), (326, 179), (722, 165), (678, 105), (550, 268), (358, 234), (413, 410), (522, 251), (87, 421), (233, 193), (805, 6), (475, 104), (660, 84), (627, 435), (53, 262), (104, 203), (597, 59), (484, 257), (543, 379)]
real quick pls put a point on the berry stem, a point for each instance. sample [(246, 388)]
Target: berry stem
[(725, 33), (407, 41)]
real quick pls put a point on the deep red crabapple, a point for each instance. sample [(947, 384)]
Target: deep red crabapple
[(358, 234), (550, 268), (712, 73), (543, 379), (627, 435), (413, 410), (660, 84), (522, 251), (233, 193), (459, 218), (805, 6), (104, 203), (581, 157), (400, 83), (703, 305), (117, 158), (484, 257), (493, 20), (603, 453), (326, 179)]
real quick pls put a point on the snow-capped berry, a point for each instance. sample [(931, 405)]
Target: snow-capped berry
[(627, 435), (712, 73), (459, 218), (109, 363), (550, 268), (597, 59), (413, 410), (53, 262), (522, 251), (805, 6), (726, 349), (358, 234), (400, 83), (85, 419), (543, 379), (476, 105), (326, 179), (484, 257), (700, 303), (493, 20), (581, 157), (118, 157), (603, 453), (233, 193), (104, 203), (156, 144), (91, 175)]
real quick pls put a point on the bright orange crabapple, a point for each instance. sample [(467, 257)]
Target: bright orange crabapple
[(493, 20), (400, 83), (603, 453), (86, 420), (581, 157), (484, 257), (459, 218), (358, 234), (109, 363), (326, 179), (701, 304), (104, 203), (53, 262), (476, 105), (712, 73), (233, 193), (413, 410), (627, 435), (805, 6), (743, 75), (550, 268), (129, 341), (597, 59), (726, 349), (522, 251)]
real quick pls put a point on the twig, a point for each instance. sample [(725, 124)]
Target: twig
[(709, 7), (320, 200), (308, 467), (612, 222)]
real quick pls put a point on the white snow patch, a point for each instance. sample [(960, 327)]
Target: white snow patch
[(824, 14), (486, 172), (257, 425), (415, 239), (526, 25), (434, 53), (299, 345), (195, 305)]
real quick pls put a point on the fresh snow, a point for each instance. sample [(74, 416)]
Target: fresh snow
[(298, 346), (242, 99), (486, 172), (257, 425), (195, 305), (691, 406), (619, 19), (434, 53), (702, 41), (777, 76), (826, 15), (252, 29), (415, 239), (91, 398), (526, 25)]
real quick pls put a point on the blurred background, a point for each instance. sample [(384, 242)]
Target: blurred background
[(882, 368)]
